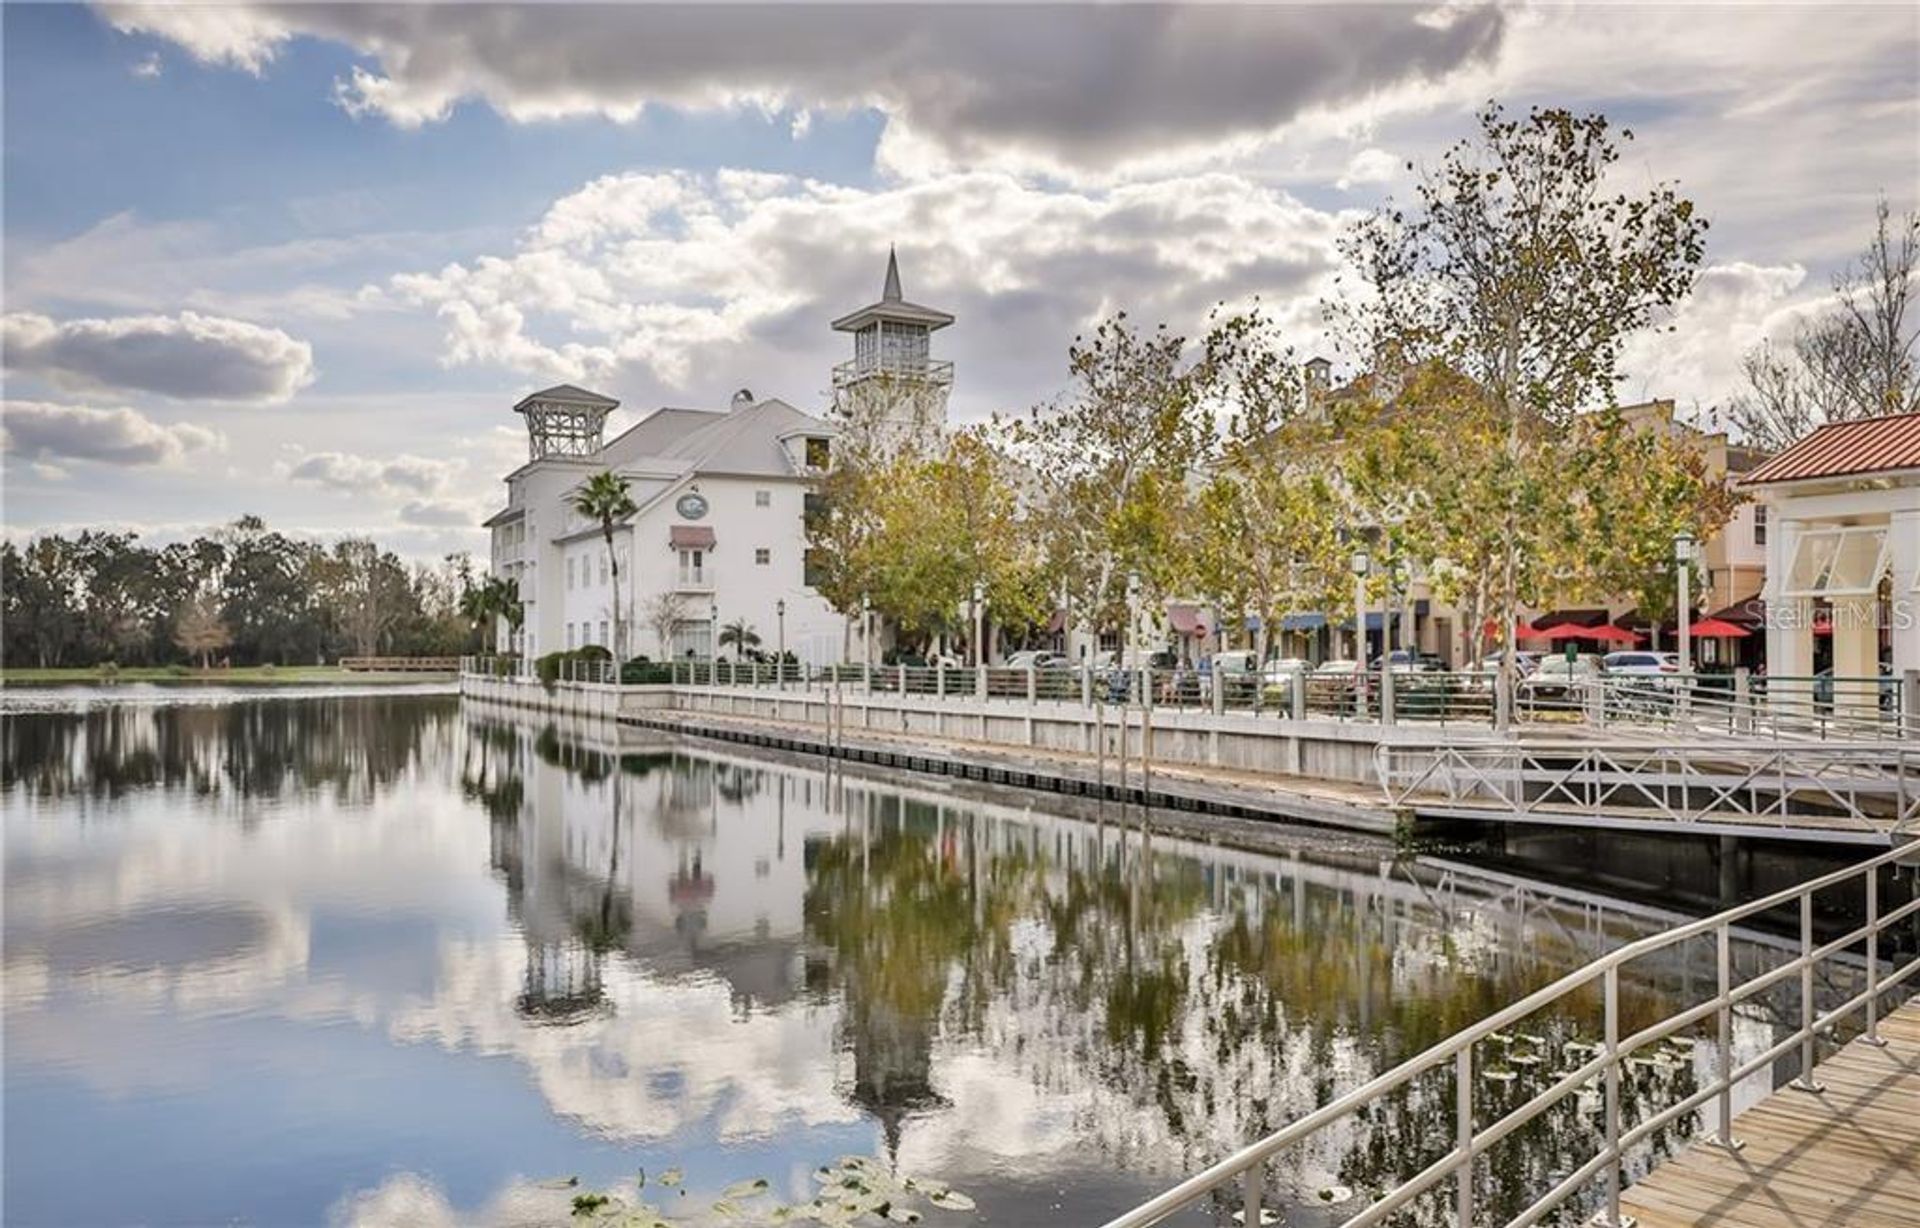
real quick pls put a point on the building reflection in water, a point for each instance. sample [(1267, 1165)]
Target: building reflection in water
[(1154, 997)]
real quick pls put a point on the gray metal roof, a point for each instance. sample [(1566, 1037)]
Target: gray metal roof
[(892, 306)]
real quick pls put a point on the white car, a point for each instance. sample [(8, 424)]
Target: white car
[(1642, 664), (1036, 659)]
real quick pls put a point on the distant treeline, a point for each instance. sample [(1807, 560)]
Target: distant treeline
[(245, 595)]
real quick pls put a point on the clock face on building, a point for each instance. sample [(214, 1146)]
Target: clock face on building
[(691, 506)]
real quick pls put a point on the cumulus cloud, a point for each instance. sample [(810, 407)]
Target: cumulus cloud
[(1733, 307), (394, 475), (48, 434), (1067, 87), (188, 356), (681, 282)]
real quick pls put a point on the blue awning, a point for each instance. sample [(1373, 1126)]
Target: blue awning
[(1302, 622), (1373, 622)]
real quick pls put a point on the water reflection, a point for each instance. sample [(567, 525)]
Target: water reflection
[(295, 940)]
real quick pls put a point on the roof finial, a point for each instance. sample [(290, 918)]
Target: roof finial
[(890, 293)]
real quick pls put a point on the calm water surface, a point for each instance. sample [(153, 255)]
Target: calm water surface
[(370, 959)]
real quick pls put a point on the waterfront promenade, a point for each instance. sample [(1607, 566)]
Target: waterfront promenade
[(1659, 774), (1844, 1157)]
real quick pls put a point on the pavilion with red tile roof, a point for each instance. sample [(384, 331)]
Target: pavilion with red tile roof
[(1843, 512)]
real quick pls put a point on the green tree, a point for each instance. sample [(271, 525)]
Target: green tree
[(1111, 462), (1524, 269), (1263, 534), (740, 636), (604, 498), (198, 630)]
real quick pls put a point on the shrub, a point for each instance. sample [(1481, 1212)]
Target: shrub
[(592, 652), (177, 670), (108, 670)]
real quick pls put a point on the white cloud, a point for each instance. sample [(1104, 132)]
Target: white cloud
[(676, 282), (394, 475), (1696, 360), (1066, 88), (48, 433), (1369, 166), (188, 356), (147, 69)]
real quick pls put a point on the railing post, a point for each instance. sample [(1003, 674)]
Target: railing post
[(1386, 689), (1873, 959), (1742, 700), (1463, 1135), (1297, 695), (1723, 1062), (1086, 686), (1033, 686), (1253, 1194), (940, 680), (1806, 1081), (1611, 1218)]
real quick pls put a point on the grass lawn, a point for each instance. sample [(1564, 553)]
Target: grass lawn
[(249, 675)]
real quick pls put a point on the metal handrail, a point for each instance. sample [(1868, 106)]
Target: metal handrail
[(1471, 1142), (1874, 785)]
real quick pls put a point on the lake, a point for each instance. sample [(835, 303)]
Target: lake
[(373, 959)]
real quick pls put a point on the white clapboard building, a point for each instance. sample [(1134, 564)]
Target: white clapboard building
[(722, 498)]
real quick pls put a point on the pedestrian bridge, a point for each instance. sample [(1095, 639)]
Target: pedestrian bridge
[(1868, 792)]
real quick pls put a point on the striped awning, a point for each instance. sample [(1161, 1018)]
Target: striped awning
[(690, 536)]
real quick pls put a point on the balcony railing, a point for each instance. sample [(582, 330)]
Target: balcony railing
[(925, 370)]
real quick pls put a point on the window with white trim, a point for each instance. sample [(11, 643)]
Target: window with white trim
[(603, 569), (693, 566), (1845, 562), (763, 498), (570, 644), (1759, 524), (569, 578), (603, 634), (762, 555)]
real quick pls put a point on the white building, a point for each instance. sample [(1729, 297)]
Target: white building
[(722, 496), (1842, 508)]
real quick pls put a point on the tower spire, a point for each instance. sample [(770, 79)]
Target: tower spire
[(890, 293)]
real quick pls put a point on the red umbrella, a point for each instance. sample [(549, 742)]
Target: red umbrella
[(1718, 629), (1522, 629), (1605, 631)]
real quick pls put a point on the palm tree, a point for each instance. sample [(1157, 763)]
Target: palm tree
[(495, 597), (603, 497), (739, 634)]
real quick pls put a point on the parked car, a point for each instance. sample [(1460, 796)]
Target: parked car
[(1524, 662), (1560, 678), (1401, 661), (1035, 658), (1277, 680), (1641, 664)]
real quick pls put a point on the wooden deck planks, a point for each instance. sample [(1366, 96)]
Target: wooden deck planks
[(1848, 1157)]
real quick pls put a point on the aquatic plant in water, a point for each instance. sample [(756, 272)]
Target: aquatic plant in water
[(852, 1191)]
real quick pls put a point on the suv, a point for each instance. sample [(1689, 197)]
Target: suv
[(1641, 663), (1559, 678)]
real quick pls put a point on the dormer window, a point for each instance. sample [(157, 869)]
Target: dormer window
[(819, 451)]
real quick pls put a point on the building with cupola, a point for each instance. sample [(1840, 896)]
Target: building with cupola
[(719, 533)]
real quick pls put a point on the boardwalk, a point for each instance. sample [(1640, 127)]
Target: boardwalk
[(1845, 1158)]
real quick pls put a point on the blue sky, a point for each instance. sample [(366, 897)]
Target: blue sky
[(301, 261)]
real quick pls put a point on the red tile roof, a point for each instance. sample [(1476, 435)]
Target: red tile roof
[(1838, 449)]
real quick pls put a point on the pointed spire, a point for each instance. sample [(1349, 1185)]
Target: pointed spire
[(891, 292)]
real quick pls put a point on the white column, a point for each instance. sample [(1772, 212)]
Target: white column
[(1856, 656), (1903, 549), (1789, 620)]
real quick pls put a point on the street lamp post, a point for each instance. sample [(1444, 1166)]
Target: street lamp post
[(780, 655), (866, 640), (1360, 565), (979, 625), (1683, 607)]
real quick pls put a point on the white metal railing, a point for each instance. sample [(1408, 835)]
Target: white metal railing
[(1473, 1141), (1873, 787), (1796, 710)]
